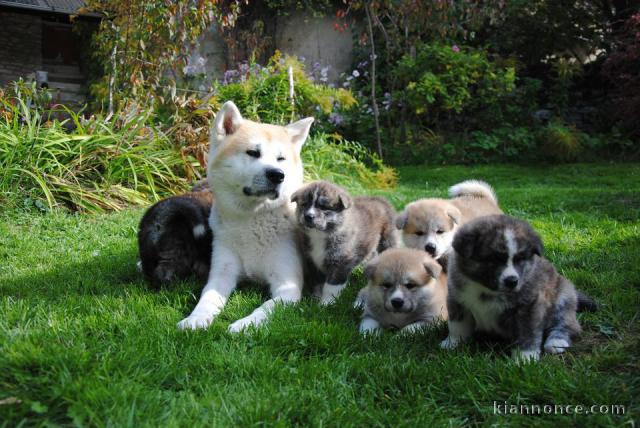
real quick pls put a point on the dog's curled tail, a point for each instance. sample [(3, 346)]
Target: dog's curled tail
[(475, 189), (586, 303)]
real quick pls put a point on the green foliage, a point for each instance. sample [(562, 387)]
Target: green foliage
[(347, 163), (560, 142), (99, 164), (442, 79), (263, 94)]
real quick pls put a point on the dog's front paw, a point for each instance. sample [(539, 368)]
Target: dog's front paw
[(556, 346), (195, 322), (522, 356), (451, 342), (369, 326), (255, 319)]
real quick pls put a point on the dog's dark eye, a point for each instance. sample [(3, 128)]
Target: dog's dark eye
[(439, 231), (254, 153), (386, 285), (281, 158), (411, 285), (419, 233), (519, 257)]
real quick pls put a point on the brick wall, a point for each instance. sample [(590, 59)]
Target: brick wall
[(20, 45)]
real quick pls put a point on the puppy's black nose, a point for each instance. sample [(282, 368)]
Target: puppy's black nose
[(430, 248), (275, 175), (308, 217), (397, 302), (510, 281)]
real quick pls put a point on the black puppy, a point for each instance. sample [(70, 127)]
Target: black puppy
[(500, 283), (174, 238)]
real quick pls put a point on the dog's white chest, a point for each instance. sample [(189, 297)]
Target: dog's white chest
[(486, 307), (317, 247), (261, 243)]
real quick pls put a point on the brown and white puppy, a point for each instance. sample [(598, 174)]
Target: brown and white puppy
[(341, 232), (174, 238), (500, 283), (407, 290), (430, 224)]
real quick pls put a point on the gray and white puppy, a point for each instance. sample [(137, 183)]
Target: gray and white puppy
[(341, 231), (407, 290), (500, 283)]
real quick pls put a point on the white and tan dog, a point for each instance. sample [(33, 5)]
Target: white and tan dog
[(253, 168)]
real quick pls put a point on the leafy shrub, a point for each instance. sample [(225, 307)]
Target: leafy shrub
[(263, 93), (328, 157), (99, 165), (442, 79), (560, 142)]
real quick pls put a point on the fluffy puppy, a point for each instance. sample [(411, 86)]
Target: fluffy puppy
[(430, 224), (341, 231), (174, 238), (407, 290), (500, 283)]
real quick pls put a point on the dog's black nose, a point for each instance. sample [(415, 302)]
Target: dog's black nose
[(275, 175), (511, 281), (430, 248), (397, 302), (308, 217)]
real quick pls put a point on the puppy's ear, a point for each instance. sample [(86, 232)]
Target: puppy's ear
[(401, 219), (227, 120), (370, 269), (297, 196), (299, 131), (345, 200), (454, 214), (432, 267), (466, 240), (537, 247)]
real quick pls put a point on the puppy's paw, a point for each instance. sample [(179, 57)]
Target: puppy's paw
[(327, 300), (451, 342), (412, 329), (359, 302), (556, 346), (195, 322), (369, 326), (523, 356), (243, 323)]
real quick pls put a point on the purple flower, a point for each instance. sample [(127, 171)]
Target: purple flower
[(455, 48), (336, 119)]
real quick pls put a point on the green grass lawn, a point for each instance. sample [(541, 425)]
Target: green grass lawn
[(83, 341)]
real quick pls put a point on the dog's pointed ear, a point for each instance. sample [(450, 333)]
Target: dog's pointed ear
[(227, 120), (454, 214), (370, 269), (401, 219), (432, 267), (299, 131)]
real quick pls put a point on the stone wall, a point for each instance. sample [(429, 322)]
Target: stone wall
[(299, 34), (20, 45)]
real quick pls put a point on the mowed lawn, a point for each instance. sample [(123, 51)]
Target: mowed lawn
[(84, 341)]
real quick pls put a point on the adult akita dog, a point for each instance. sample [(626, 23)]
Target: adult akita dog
[(253, 170)]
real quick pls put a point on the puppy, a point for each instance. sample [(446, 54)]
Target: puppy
[(500, 283), (407, 290), (174, 238), (340, 232), (430, 224)]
